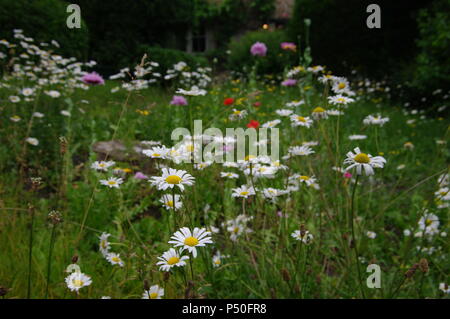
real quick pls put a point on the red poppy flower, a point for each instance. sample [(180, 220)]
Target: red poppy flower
[(257, 104), (228, 101), (253, 123)]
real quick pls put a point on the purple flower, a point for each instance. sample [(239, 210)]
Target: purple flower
[(258, 49), (140, 175), (93, 78), (178, 100), (289, 82)]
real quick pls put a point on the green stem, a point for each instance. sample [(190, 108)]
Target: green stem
[(49, 262)]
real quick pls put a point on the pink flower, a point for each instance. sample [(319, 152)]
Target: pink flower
[(258, 49), (178, 100), (93, 78), (140, 175), (289, 82), (348, 175)]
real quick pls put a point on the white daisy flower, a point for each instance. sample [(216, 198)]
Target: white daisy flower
[(169, 203), (238, 226), (33, 141), (217, 259), (429, 224), (375, 120), (115, 259), (14, 99), (15, 118), (306, 237), (340, 100), (363, 161), (300, 150), (284, 112), (371, 234), (77, 280), (243, 191), (156, 152), (229, 175), (112, 182), (191, 240), (171, 258), (53, 93), (444, 288), (104, 243), (319, 113), (155, 292), (237, 115), (297, 120), (295, 103), (171, 178), (102, 165), (271, 124)]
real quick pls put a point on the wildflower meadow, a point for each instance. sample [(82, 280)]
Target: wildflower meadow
[(188, 182)]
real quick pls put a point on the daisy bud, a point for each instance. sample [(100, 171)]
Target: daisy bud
[(74, 259), (423, 265), (285, 274), (411, 271)]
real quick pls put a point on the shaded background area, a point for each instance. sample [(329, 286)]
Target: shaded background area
[(411, 48)]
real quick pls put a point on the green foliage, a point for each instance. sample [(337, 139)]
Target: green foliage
[(433, 61), (44, 20), (276, 60)]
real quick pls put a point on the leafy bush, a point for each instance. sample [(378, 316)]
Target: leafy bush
[(276, 60), (44, 20)]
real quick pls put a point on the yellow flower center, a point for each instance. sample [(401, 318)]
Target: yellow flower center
[(156, 154), (190, 148), (115, 259), (236, 230), (78, 282), (428, 222), (237, 112), (341, 85), (191, 241), (112, 182), (217, 261), (244, 193), (341, 99), (170, 203), (319, 110), (153, 295), (173, 260), (303, 177), (301, 119), (362, 158), (173, 179)]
